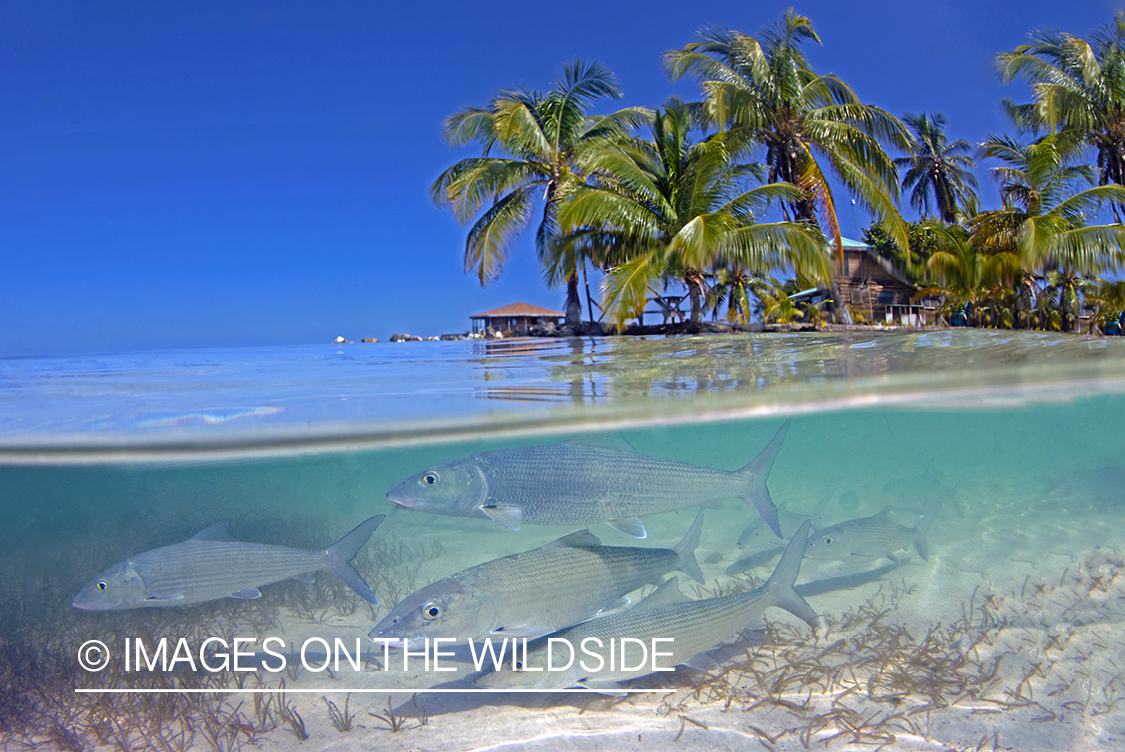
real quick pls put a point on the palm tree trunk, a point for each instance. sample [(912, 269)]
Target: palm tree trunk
[(1064, 301), (573, 302), (840, 310), (839, 306), (693, 280), (589, 300)]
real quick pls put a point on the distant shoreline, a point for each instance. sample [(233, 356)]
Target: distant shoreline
[(683, 329)]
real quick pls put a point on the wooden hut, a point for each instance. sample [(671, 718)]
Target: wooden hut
[(518, 318), (873, 288)]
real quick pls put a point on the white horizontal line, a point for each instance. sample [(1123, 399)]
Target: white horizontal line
[(269, 691)]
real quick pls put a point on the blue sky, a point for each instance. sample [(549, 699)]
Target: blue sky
[(215, 173)]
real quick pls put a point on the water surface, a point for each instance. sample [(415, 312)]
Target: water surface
[(1014, 625)]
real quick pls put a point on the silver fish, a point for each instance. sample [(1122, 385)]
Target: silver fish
[(575, 483), (212, 565), (693, 626), (536, 592), (871, 537)]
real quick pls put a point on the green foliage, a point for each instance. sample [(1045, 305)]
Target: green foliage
[(763, 91), (923, 243), (678, 208), (542, 137), (1043, 223), (1108, 299), (778, 308), (938, 167), (1078, 89), (686, 206)]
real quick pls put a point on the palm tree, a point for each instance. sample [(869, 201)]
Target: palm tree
[(1108, 299), (778, 308), (734, 287), (937, 167), (811, 125), (968, 278), (1043, 220), (675, 209), (541, 137), (1076, 86)]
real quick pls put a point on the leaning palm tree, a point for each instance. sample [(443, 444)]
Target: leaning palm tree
[(676, 209), (812, 126), (1044, 218), (540, 137), (1076, 86), (937, 168)]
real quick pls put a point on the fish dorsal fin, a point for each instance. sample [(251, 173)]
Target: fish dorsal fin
[(883, 515), (631, 526), (817, 512), (603, 440), (220, 531), (667, 594), (509, 517), (580, 539)]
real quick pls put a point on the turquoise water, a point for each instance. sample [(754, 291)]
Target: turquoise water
[(1011, 629)]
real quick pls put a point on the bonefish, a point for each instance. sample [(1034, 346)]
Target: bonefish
[(580, 482)]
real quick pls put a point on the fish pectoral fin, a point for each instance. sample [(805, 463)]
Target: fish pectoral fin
[(509, 517), (164, 596), (246, 594), (220, 531), (702, 662), (603, 687), (631, 526), (530, 631)]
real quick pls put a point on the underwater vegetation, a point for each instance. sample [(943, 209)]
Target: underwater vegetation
[(870, 679), (40, 635)]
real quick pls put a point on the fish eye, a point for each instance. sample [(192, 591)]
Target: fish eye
[(102, 584), (431, 611), (827, 541), (519, 665), (430, 478)]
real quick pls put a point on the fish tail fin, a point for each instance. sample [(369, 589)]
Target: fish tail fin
[(340, 554), (920, 544), (756, 494), (686, 549), (785, 575)]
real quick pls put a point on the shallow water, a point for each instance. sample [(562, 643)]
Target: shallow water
[(1011, 632)]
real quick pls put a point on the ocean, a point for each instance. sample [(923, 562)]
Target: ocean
[(1007, 635)]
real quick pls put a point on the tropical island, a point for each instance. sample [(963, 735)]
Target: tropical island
[(732, 203)]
